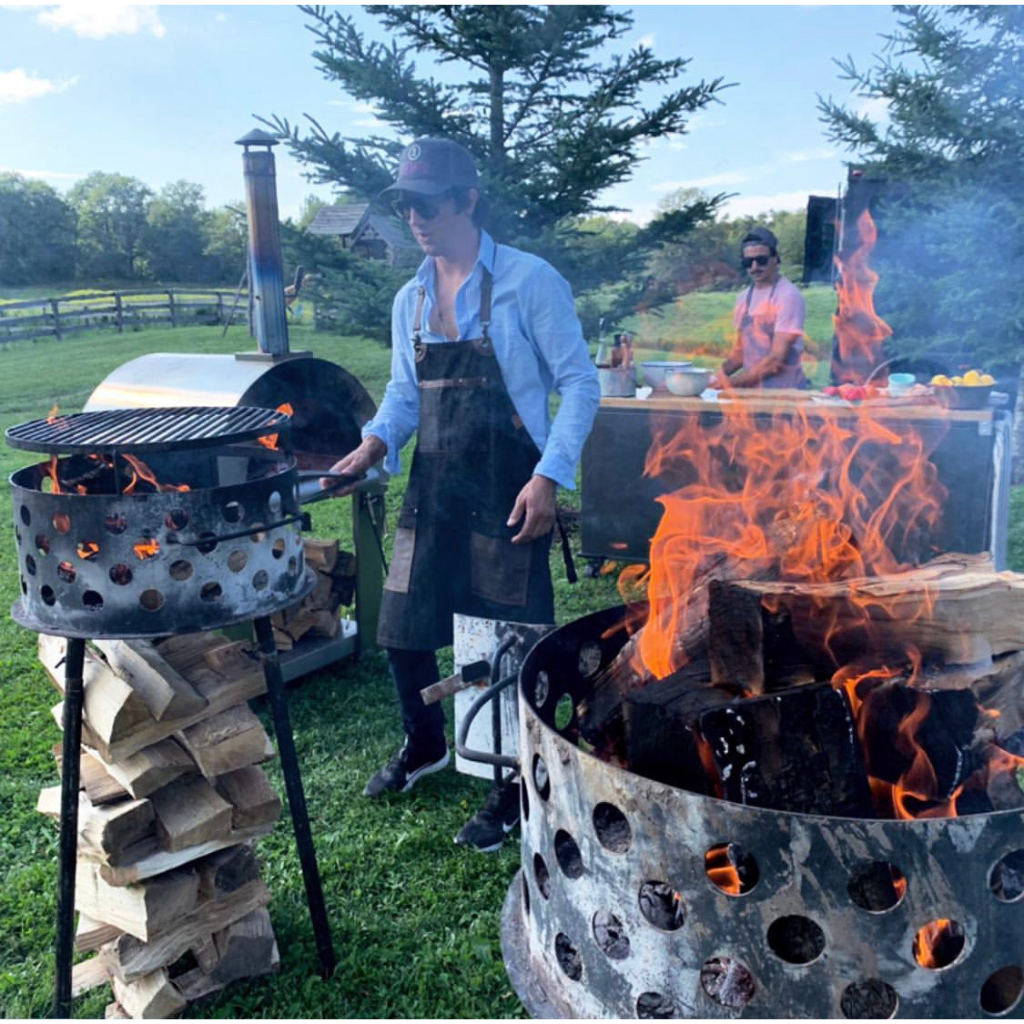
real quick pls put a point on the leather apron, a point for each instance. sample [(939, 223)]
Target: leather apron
[(452, 550)]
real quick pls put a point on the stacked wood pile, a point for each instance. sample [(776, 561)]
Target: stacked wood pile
[(168, 887), (317, 614)]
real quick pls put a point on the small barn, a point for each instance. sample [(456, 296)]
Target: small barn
[(368, 234)]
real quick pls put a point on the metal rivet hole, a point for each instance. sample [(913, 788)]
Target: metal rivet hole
[(30, 565), (87, 550), (274, 504), (727, 982), (876, 886), (541, 781), (543, 876), (1002, 989), (258, 535), (61, 522), (237, 561), (260, 580), (120, 574), (939, 943), (207, 542), (796, 939), (655, 1006), (590, 658), (180, 569), (526, 896), (211, 592), (568, 957), (564, 711), (151, 600), (232, 512), (66, 571), (26, 516), (568, 855), (48, 596), (293, 566), (871, 999), (1006, 879), (176, 519), (662, 906), (92, 599), (731, 869), (612, 829), (277, 550), (609, 935), (524, 796), (115, 523), (541, 689), (42, 544)]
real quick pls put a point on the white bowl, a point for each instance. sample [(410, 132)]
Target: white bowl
[(689, 382), (656, 373)]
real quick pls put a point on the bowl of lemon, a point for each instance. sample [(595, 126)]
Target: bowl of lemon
[(970, 390)]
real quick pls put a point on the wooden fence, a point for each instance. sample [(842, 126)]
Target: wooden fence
[(55, 318)]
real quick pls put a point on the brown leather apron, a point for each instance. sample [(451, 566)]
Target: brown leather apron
[(453, 551)]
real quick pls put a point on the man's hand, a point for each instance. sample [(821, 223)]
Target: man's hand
[(720, 381), (356, 463), (535, 506)]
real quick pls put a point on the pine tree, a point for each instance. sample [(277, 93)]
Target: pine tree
[(551, 107)]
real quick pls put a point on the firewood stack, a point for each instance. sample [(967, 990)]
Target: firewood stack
[(168, 887), (316, 615)]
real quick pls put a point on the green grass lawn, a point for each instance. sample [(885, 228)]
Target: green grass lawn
[(415, 919)]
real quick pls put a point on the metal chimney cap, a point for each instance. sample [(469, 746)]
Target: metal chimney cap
[(257, 137)]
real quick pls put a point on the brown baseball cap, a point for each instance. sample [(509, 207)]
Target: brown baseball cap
[(760, 236), (429, 167)]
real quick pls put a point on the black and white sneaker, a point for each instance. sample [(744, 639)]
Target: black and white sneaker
[(487, 829), (403, 771)]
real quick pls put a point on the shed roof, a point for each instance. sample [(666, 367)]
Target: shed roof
[(339, 220)]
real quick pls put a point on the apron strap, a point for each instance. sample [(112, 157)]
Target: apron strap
[(570, 564), (417, 325), (483, 344)]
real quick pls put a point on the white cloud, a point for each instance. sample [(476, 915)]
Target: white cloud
[(876, 108), (748, 206), (20, 85), (97, 21), (45, 175), (724, 178), (647, 40), (803, 156), (222, 17)]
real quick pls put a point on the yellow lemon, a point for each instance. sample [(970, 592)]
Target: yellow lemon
[(972, 377), (986, 379), (941, 380)]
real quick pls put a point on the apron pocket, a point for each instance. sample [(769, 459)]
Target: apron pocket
[(400, 570), (499, 569)]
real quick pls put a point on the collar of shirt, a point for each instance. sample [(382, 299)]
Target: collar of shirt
[(467, 301)]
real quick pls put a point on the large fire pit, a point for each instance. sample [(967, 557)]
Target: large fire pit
[(638, 899)]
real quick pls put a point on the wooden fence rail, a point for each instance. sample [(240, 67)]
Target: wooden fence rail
[(57, 317)]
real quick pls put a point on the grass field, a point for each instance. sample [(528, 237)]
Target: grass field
[(415, 919)]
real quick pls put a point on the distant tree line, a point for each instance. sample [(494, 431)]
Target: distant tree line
[(110, 227)]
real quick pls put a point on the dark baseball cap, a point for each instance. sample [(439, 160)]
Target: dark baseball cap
[(760, 236), (429, 167)]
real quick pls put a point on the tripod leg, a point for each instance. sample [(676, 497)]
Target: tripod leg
[(73, 696), (296, 796)]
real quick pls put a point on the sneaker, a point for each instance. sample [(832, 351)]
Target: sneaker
[(403, 771), (487, 829)]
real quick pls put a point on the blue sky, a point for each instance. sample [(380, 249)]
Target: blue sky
[(161, 93)]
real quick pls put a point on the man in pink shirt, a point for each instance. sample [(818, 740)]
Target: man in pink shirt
[(769, 321)]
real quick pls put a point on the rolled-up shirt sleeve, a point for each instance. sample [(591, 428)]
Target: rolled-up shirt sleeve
[(554, 329), (398, 415)]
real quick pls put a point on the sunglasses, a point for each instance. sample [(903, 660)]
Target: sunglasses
[(426, 207), (749, 261)]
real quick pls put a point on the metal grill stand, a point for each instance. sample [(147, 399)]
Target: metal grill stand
[(56, 606)]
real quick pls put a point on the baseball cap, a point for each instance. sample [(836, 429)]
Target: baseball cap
[(429, 167), (760, 236)]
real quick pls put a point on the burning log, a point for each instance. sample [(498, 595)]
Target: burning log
[(796, 751)]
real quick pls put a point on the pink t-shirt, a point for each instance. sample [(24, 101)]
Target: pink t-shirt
[(770, 310)]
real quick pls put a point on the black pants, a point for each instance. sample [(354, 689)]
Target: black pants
[(424, 723)]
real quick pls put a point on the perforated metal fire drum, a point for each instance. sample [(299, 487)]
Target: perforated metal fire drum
[(109, 553), (614, 912)]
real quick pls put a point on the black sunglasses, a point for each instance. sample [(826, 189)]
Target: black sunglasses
[(427, 207), (749, 261)]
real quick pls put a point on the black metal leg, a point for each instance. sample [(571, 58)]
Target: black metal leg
[(73, 695), (296, 796)]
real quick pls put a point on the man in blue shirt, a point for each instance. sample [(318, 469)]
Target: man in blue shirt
[(480, 338)]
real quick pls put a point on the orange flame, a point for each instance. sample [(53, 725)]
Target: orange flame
[(143, 471), (270, 440), (938, 943), (859, 330), (52, 415), (719, 868), (148, 548), (88, 549)]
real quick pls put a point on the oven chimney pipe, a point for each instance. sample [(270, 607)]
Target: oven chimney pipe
[(266, 275)]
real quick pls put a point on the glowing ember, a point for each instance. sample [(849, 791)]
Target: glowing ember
[(938, 943), (270, 440), (87, 550), (148, 548), (719, 868)]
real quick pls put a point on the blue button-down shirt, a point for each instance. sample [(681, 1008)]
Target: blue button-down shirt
[(537, 341)]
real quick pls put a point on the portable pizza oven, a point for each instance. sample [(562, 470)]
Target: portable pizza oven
[(640, 899)]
